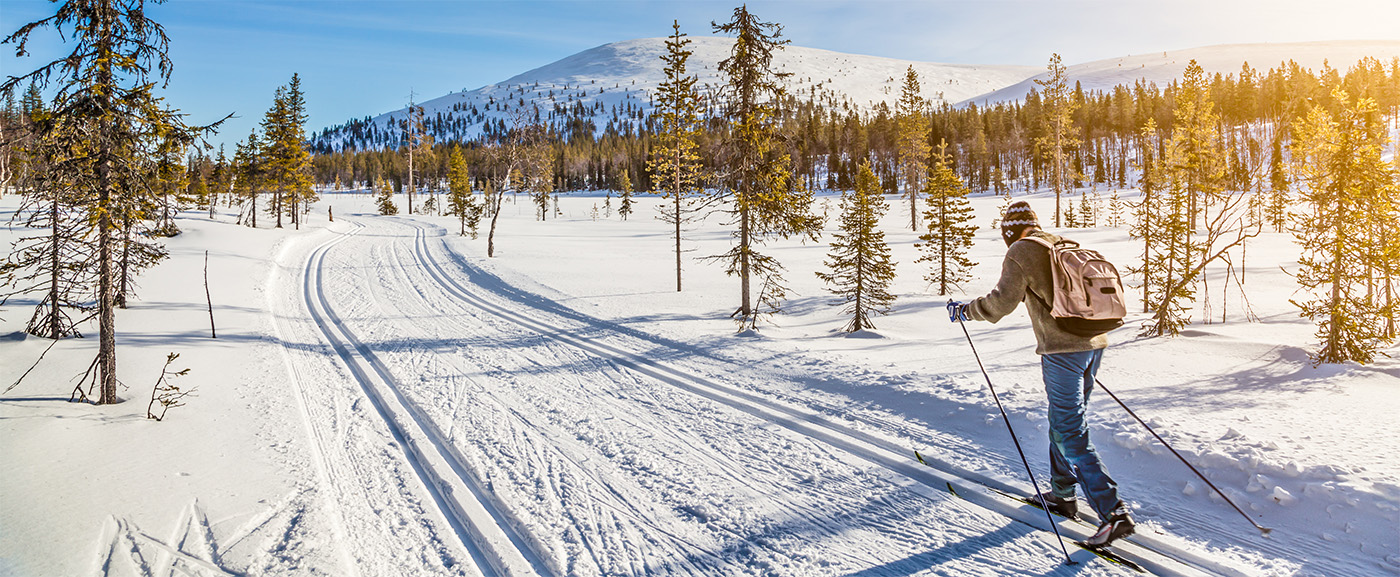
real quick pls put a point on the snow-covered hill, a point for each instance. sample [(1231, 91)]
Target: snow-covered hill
[(863, 80), (614, 83), (1163, 67), (609, 88)]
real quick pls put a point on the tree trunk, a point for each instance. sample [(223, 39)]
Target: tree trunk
[(676, 191), (1331, 354), (744, 308), (1059, 168), (106, 286), (1146, 245), (913, 206), (1390, 306), (123, 273), (491, 236), (54, 326)]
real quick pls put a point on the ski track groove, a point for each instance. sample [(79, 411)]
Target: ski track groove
[(335, 487), (543, 463), (325, 470), (587, 539), (855, 442), (444, 498)]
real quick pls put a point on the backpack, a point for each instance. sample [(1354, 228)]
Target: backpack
[(1087, 289)]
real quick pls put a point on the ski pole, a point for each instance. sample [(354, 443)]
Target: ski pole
[(1034, 485), (1262, 530)]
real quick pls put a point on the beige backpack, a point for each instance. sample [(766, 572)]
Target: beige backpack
[(1088, 291)]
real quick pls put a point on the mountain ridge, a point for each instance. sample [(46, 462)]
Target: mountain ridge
[(608, 87), (1169, 65)]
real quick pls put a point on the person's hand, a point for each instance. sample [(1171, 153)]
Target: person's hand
[(957, 311)]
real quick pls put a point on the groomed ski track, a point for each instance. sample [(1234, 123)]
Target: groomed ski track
[(526, 438)]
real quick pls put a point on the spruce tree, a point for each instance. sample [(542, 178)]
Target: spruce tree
[(105, 90), (948, 239), (1059, 132), (1086, 211), (461, 203), (675, 158), (1115, 210), (220, 179), (540, 198), (765, 199), (168, 179), (1338, 161), (859, 263), (286, 163), (248, 177), (270, 160), (624, 185), (1190, 236), (384, 198), (1150, 180), (198, 186), (538, 176), (913, 147), (1196, 134), (1172, 250)]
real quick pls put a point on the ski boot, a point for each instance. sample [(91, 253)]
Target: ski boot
[(1116, 527), (1067, 508)]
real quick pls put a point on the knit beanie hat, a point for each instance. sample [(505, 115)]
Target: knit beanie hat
[(1018, 217)]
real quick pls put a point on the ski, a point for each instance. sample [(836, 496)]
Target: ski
[(1102, 552), (1110, 556), (1036, 503)]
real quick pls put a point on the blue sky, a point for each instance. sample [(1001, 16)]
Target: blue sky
[(362, 57)]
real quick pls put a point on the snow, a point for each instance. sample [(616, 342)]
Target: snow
[(1162, 68), (408, 406)]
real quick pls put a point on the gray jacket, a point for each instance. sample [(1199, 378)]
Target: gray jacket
[(1027, 268)]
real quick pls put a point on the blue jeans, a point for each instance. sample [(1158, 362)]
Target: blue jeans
[(1069, 378)]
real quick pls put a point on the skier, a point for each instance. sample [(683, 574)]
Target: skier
[(1068, 364)]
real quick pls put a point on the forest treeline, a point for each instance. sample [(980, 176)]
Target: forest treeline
[(994, 148)]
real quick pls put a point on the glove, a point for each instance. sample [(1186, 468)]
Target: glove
[(957, 311)]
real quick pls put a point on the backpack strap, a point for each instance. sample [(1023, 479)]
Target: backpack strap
[(1048, 244), (1037, 240), (1050, 248)]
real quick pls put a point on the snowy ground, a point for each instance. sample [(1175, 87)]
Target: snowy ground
[(384, 400)]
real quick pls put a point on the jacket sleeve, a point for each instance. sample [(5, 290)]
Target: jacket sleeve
[(1009, 292)]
